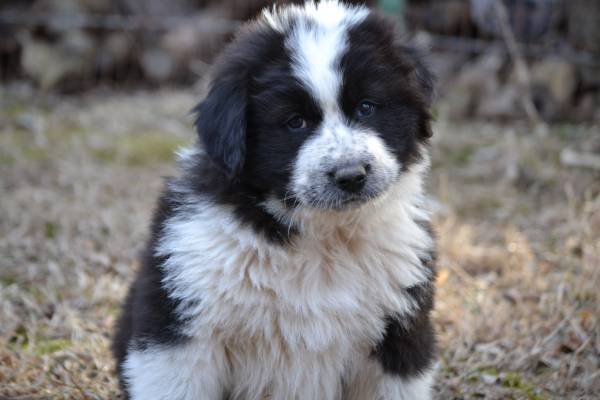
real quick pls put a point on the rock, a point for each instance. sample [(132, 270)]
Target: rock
[(159, 7), (590, 76), (554, 82), (157, 64), (504, 103), (30, 122), (544, 103), (59, 6), (240, 10), (101, 6), (489, 379), (201, 36), (9, 52), (558, 75), (476, 81), (182, 41), (49, 64), (445, 65), (449, 17), (116, 49), (583, 24), (41, 63), (530, 20), (586, 107), (573, 158), (77, 44)]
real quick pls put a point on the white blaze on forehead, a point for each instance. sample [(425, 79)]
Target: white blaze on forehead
[(316, 42)]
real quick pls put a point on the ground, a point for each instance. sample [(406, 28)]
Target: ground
[(518, 300)]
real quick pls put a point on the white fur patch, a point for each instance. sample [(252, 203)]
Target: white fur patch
[(316, 43), (369, 381), (417, 388), (292, 320), (337, 144), (317, 35), (189, 372)]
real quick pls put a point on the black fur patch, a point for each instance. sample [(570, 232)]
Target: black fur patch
[(148, 314), (408, 346), (241, 124), (393, 77), (222, 116)]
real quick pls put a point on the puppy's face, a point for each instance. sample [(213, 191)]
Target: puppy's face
[(318, 106)]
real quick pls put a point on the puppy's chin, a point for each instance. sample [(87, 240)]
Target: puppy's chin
[(328, 200), (337, 202)]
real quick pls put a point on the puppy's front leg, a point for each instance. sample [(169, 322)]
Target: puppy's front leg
[(415, 388), (372, 382), (401, 365), (190, 371), (407, 353)]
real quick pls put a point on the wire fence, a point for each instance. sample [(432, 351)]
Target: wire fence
[(79, 49), (143, 23), (149, 23)]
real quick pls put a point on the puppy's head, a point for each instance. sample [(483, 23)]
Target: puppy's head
[(317, 105)]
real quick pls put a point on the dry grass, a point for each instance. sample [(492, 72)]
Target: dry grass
[(518, 301)]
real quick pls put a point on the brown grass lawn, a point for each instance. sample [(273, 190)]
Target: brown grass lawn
[(518, 307)]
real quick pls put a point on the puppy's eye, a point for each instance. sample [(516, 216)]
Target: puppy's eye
[(365, 109), (296, 123)]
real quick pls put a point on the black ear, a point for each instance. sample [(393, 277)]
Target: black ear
[(421, 74), (423, 80), (221, 121)]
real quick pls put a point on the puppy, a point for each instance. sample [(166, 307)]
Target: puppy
[(292, 258)]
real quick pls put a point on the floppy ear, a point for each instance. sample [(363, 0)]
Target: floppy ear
[(423, 81), (221, 121), (421, 74)]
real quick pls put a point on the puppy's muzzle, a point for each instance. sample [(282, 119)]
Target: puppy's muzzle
[(350, 178)]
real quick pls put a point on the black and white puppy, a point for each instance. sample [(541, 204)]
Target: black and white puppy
[(292, 259)]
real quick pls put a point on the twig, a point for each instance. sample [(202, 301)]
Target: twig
[(572, 158), (470, 45), (540, 343), (523, 78), (573, 360)]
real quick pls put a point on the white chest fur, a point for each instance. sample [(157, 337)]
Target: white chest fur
[(308, 309)]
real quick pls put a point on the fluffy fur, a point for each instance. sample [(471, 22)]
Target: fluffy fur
[(292, 259)]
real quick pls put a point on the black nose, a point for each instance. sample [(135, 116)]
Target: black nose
[(351, 178)]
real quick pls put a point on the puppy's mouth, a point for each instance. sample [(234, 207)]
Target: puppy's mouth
[(336, 200)]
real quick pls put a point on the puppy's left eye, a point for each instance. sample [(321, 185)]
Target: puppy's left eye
[(365, 109), (296, 123)]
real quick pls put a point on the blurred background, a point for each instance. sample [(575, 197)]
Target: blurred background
[(73, 46), (95, 98)]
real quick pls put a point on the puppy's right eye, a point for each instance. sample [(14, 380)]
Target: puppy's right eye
[(365, 109), (296, 123)]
